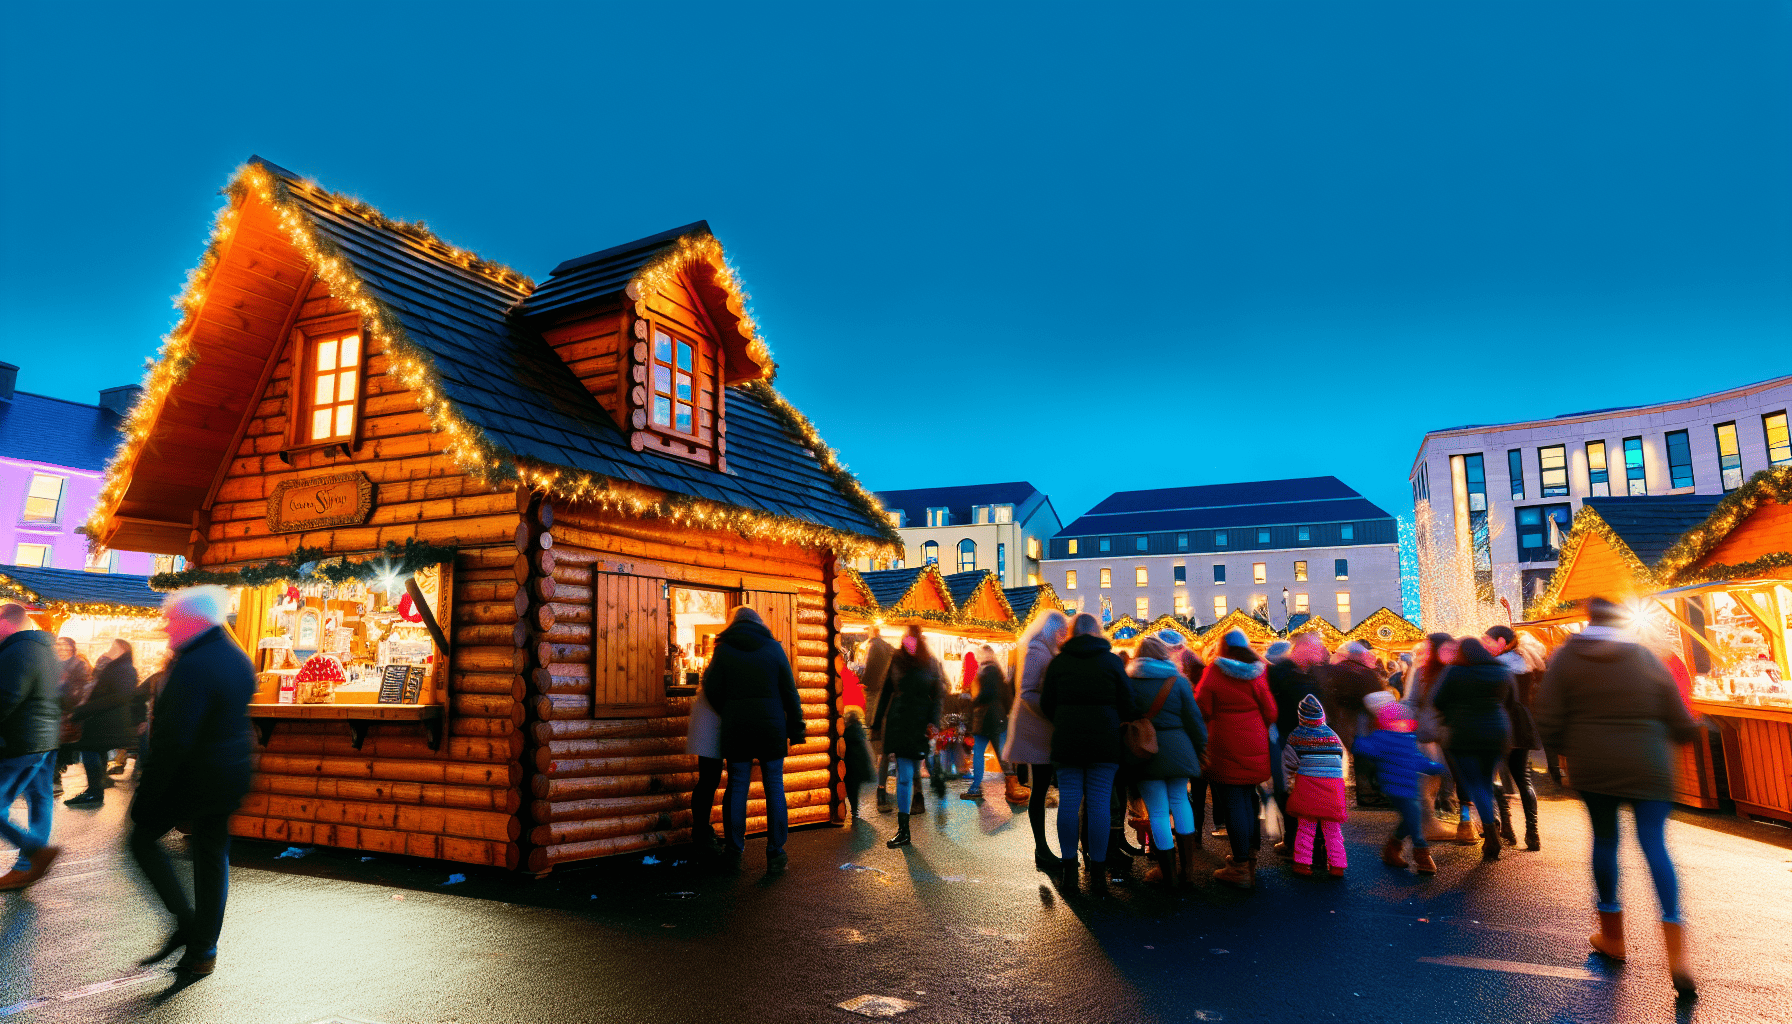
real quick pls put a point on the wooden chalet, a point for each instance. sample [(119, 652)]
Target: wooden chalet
[(1128, 631), (956, 613), (90, 608), (1255, 630), (1329, 634), (982, 606), (1030, 602), (1612, 547), (515, 514), (1386, 631)]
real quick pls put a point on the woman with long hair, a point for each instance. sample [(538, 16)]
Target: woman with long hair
[(989, 720), (105, 720), (909, 713), (1030, 731), (1472, 699), (1160, 691), (751, 686), (1234, 698), (1427, 668)]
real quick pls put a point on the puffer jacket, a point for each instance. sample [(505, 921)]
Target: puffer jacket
[(750, 685), (1029, 731), (1612, 709), (105, 716), (989, 712), (1234, 698), (1472, 699), (1087, 696), (1181, 734), (30, 694), (914, 698), (1397, 759)]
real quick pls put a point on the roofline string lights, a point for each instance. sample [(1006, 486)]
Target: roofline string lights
[(12, 589)]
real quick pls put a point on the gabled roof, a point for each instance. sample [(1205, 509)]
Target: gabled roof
[(915, 501), (1387, 629), (1651, 525), (889, 586), (80, 592), (1253, 629), (34, 428), (1318, 499), (1027, 600), (965, 586), (1304, 623), (1696, 556), (602, 274)]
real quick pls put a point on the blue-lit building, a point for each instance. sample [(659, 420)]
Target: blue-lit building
[(1203, 551)]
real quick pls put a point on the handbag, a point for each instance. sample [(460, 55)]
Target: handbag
[(1141, 735)]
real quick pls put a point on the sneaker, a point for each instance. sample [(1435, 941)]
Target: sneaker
[(974, 793), (85, 800)]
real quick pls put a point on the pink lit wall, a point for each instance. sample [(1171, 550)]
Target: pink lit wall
[(68, 549)]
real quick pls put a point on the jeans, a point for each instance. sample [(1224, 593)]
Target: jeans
[(703, 798), (1240, 803), (1166, 801), (28, 776), (734, 813), (977, 750), (906, 770), (1090, 787), (1651, 822), (1412, 821), (201, 921), (1474, 776)]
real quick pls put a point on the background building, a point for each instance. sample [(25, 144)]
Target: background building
[(52, 455), (1204, 551), (1491, 503), (999, 527)]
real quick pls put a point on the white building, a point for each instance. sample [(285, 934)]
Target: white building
[(1000, 527), (1203, 551), (1492, 491)]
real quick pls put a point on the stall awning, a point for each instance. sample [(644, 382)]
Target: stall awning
[(72, 591)]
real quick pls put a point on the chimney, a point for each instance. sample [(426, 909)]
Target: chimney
[(120, 399), (9, 377)]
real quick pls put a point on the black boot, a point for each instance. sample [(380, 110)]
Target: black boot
[(883, 801), (901, 836), (1532, 841), (1067, 873), (1098, 878), (1046, 861), (1506, 832)]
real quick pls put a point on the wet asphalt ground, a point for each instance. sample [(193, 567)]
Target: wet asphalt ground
[(959, 925)]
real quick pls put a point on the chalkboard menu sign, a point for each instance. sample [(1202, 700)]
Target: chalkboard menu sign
[(392, 684), (413, 682)]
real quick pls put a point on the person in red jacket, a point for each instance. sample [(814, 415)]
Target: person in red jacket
[(1235, 701)]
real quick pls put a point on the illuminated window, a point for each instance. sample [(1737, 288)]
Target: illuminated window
[(1300, 572), (1636, 476), (1004, 513), (1729, 456), (1032, 579), (1540, 530), (1219, 573), (43, 499), (1139, 577), (334, 388), (1070, 546), (896, 518), (1259, 572), (980, 514), (31, 555), (1181, 602), (1107, 578), (1033, 548), (1598, 480), (1073, 605), (1179, 573), (967, 555), (1552, 465), (1344, 619), (930, 553), (1779, 442), (1341, 568), (1219, 607), (1679, 459), (1260, 606), (1300, 604), (1070, 579), (1142, 609)]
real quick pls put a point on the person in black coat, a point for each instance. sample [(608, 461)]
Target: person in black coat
[(751, 686), (909, 713), (1471, 697), (858, 759), (989, 720), (1087, 696), (105, 720), (196, 770), (30, 735)]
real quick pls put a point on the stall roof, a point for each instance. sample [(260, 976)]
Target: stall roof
[(1024, 599), (91, 593), (1651, 524)]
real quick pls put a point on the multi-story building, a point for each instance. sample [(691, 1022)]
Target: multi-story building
[(1001, 527), (52, 456), (1275, 548), (1497, 499)]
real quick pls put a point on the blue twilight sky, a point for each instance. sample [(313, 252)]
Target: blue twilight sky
[(1097, 247)]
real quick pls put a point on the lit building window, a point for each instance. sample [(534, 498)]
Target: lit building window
[(939, 517), (1260, 606), (1537, 541), (1598, 481), (1074, 605), (1219, 607), (1142, 609), (102, 560), (930, 553), (1070, 579), (1259, 572), (43, 500), (1729, 456), (1033, 548), (1779, 442), (1032, 579), (31, 555), (896, 518), (1181, 602), (1139, 577), (1004, 513), (1636, 476), (1070, 546), (682, 386), (1107, 578), (1300, 604), (967, 555), (335, 376), (1552, 466), (1344, 619), (1300, 572)]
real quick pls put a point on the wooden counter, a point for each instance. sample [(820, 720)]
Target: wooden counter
[(1758, 755), (358, 717)]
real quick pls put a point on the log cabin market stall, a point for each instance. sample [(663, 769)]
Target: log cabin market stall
[(1385, 632), (90, 608), (1329, 635), (957, 614), (1030, 602), (1126, 632), (494, 525)]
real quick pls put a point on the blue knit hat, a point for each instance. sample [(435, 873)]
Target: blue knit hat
[(1311, 711), (1236, 638), (1171, 638)]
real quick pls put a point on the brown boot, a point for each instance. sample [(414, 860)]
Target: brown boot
[(1422, 862), (40, 863), (1163, 870), (1393, 853), (1609, 939), (1673, 936), (1186, 848), (1014, 792), (1465, 834), (1242, 874)]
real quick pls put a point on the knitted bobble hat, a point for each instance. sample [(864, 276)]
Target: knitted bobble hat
[(1377, 700), (1237, 646), (1395, 715), (1311, 711)]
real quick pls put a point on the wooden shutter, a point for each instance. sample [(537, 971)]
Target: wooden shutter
[(630, 635), (779, 612)]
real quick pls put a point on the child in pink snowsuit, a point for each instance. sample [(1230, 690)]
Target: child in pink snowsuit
[(1314, 759)]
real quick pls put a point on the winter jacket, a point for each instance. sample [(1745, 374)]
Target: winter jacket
[(914, 698), (197, 761), (877, 667), (105, 716), (1029, 731), (1086, 695), (1181, 734), (858, 754), (1342, 689), (77, 680), (971, 665), (1471, 696), (989, 712), (1313, 758), (30, 694), (703, 730), (1518, 701), (1397, 759), (1288, 683), (750, 685), (1234, 698), (1610, 708)]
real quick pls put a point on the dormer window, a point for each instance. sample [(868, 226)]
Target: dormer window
[(327, 382), (683, 400)]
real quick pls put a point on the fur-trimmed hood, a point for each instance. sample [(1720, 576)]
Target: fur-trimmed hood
[(1239, 669)]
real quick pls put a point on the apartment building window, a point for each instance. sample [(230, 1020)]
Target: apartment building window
[(1300, 604), (1300, 572), (1070, 579), (1219, 573), (1004, 513), (1779, 442), (1635, 474), (31, 555), (1032, 579), (1179, 574), (1341, 568), (1598, 482), (102, 561), (1263, 536), (1107, 578), (1344, 619), (1141, 607), (1552, 465), (898, 518), (1182, 542), (1002, 561), (1140, 577), (1468, 481), (1260, 606), (1729, 456), (1515, 467), (1259, 572), (930, 553), (1070, 546), (980, 514), (1347, 532), (1219, 607), (1106, 544), (1537, 542), (1304, 534), (1219, 538), (1181, 603), (1679, 459), (43, 500), (939, 517), (1033, 548), (1141, 544)]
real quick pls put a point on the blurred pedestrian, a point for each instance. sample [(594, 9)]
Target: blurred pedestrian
[(77, 679), (1436, 791), (909, 713), (858, 767), (1235, 702), (1314, 755), (1612, 709), (1167, 698), (1393, 748), (30, 735), (989, 721), (105, 720), (751, 686), (1522, 656), (1472, 699), (1346, 682), (1030, 731), (1086, 695), (1292, 680), (196, 771), (703, 738), (877, 667)]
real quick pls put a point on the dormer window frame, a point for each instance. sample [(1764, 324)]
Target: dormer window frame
[(309, 337), (703, 372)]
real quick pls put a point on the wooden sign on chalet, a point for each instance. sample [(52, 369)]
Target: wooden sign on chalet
[(316, 503)]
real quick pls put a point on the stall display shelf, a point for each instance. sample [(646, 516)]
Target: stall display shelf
[(358, 717)]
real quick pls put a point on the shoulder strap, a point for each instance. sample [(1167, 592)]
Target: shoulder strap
[(1162, 695)]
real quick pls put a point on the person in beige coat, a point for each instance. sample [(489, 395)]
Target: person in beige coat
[(1030, 732)]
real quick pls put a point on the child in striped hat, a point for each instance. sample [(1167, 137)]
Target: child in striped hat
[(1314, 759)]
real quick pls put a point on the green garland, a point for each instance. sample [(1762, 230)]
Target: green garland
[(1718, 573), (307, 565)]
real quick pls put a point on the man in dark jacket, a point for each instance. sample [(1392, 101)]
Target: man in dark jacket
[(1345, 683), (30, 730), (196, 770), (1087, 696), (750, 685)]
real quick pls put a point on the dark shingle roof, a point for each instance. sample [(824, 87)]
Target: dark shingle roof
[(78, 587), (50, 430), (1650, 525), (601, 274), (888, 585), (505, 379), (915, 502), (1022, 600), (1314, 499), (963, 584)]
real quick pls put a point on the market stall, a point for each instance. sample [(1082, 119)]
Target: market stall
[(1030, 602), (90, 608), (1255, 630), (894, 599), (483, 532), (1330, 635), (1385, 632)]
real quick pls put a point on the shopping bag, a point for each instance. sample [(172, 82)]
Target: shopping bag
[(1272, 814)]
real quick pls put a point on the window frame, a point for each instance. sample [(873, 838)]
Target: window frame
[(1341, 604), (1220, 538), (1219, 574), (1544, 514), (705, 370), (1263, 535), (1179, 574), (1034, 549), (1104, 545), (1303, 534), (1179, 603), (1347, 531), (102, 561), (1300, 571), (1219, 607), (1070, 545), (1544, 470), (1106, 581), (1302, 606), (1604, 479), (1340, 568), (933, 557), (1515, 469), (1723, 470), (1141, 543), (1141, 607), (1182, 542), (1259, 573), (46, 561), (302, 384), (1070, 579), (1641, 478), (1785, 429), (960, 551), (55, 516), (937, 517), (1674, 468), (1001, 560)]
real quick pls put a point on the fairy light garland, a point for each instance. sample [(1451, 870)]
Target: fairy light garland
[(662, 271), (1769, 485), (1587, 523), (12, 588)]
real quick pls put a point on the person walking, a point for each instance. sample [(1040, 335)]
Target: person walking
[(1394, 751), (1030, 731), (1086, 695), (751, 686), (105, 720), (1314, 755), (1610, 707), (1434, 796), (1168, 701), (30, 735), (196, 771), (908, 714), (703, 737), (1234, 698), (1524, 658), (1472, 700), (857, 761), (877, 668), (989, 721), (77, 679)]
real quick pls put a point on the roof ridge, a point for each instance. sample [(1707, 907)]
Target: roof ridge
[(69, 401)]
